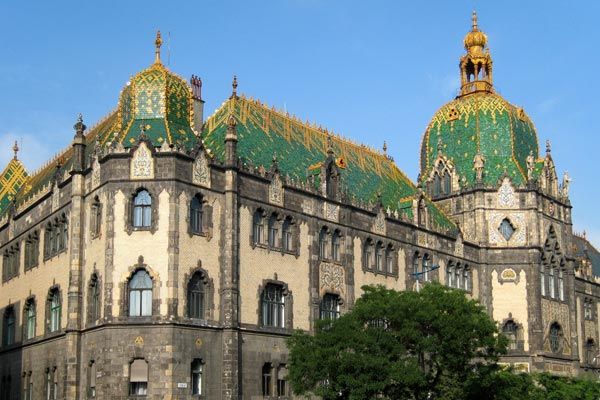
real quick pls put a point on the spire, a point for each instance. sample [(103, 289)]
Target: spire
[(15, 149), (157, 43), (79, 126), (476, 65), (234, 86)]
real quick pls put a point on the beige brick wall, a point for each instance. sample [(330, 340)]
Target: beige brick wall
[(153, 246), (511, 297), (258, 264)]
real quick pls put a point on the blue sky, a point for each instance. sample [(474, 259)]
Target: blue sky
[(369, 70)]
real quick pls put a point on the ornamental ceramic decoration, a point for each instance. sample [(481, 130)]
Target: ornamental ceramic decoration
[(506, 195), (308, 207), (331, 277), (276, 191), (201, 171), (142, 163), (517, 220), (379, 224), (95, 173), (332, 211), (508, 275)]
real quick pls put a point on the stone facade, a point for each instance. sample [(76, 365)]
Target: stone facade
[(235, 246)]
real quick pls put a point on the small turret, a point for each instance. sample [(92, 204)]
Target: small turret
[(79, 146)]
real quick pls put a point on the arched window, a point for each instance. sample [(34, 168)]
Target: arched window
[(9, 326), (447, 183), (379, 257), (561, 284), (437, 184), (467, 281), (336, 246), (287, 235), (196, 214), (450, 274), (95, 217), (330, 306), (510, 331), (258, 227), (197, 370), (282, 380), (93, 370), (389, 259), (267, 372), (273, 306), (555, 337), (32, 250), (417, 266), (543, 279), (94, 298), (140, 294), (55, 311), (426, 267), (324, 244), (458, 276), (142, 209), (196, 296), (273, 231), (369, 254), (138, 378), (551, 283), (590, 351), (30, 316)]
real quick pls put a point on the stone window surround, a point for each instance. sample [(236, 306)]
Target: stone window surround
[(29, 301), (54, 288), (329, 231), (11, 308), (461, 266), (32, 239), (12, 254), (129, 228), (519, 332), (267, 213), (94, 278), (341, 302), (288, 300), (207, 213), (419, 255), (124, 289), (96, 211), (276, 364), (388, 248), (209, 293), (58, 222)]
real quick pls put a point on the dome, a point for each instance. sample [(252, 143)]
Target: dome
[(158, 102), (480, 123)]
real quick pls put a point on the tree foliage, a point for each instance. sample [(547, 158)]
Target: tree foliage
[(398, 345)]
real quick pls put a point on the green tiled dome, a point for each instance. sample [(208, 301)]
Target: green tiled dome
[(161, 103), (482, 123)]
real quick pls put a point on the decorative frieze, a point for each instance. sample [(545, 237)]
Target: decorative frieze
[(331, 211), (142, 163), (201, 171), (331, 278)]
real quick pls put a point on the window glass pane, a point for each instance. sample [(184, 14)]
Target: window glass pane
[(147, 302), (134, 303)]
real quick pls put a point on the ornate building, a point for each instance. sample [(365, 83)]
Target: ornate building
[(166, 255)]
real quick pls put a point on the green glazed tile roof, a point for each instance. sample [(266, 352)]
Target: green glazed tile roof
[(487, 124), (161, 103), (12, 179), (584, 249), (300, 148)]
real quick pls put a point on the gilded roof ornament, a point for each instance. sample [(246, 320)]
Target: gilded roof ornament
[(15, 149), (234, 86), (157, 43), (384, 148)]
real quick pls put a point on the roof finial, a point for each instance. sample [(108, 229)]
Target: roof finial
[(79, 126), (234, 86), (548, 146), (157, 43), (15, 149), (384, 148), (474, 19), (329, 144)]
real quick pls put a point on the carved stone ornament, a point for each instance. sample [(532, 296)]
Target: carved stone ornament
[(459, 247), (198, 343), (379, 224), (139, 341), (142, 163), (276, 191), (55, 198), (508, 275), (331, 211), (95, 173), (506, 195), (308, 207), (201, 171), (331, 278)]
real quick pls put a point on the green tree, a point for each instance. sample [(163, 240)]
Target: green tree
[(398, 345)]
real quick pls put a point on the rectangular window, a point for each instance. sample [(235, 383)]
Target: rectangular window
[(551, 284), (197, 377), (273, 236), (282, 380), (337, 255), (543, 280), (92, 388), (266, 379), (138, 378)]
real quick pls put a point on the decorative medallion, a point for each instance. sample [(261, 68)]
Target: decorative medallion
[(142, 163), (331, 211), (139, 341), (506, 195), (276, 191), (379, 224), (201, 171), (95, 173), (508, 275), (198, 343), (331, 277)]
